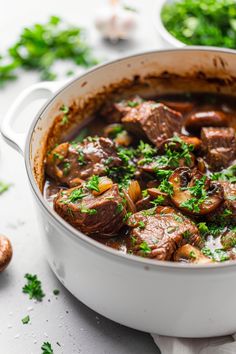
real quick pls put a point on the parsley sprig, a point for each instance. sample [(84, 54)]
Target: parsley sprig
[(199, 194), (33, 287), (47, 348), (41, 45)]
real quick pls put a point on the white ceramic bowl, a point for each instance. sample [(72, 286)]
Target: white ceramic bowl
[(168, 298)]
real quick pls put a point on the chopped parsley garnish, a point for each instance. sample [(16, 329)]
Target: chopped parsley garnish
[(4, 187), (124, 173), (149, 212), (81, 158), (192, 255), (33, 287), (178, 218), (158, 201), (66, 168), (65, 110), (132, 104), (75, 195), (127, 216), (56, 292), (126, 154), (166, 187), (187, 234), (88, 211), (141, 225), (203, 228), (116, 129), (218, 255), (25, 320), (175, 151), (163, 173), (199, 195), (144, 247), (57, 156), (46, 348), (146, 150), (93, 183), (119, 208), (228, 174)]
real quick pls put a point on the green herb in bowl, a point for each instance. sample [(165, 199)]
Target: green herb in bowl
[(202, 22)]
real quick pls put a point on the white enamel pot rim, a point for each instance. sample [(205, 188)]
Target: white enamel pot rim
[(67, 228)]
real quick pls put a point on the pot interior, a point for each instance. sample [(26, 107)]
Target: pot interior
[(190, 70)]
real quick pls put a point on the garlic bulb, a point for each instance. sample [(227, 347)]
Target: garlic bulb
[(116, 22)]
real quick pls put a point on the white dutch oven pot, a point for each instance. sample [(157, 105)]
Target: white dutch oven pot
[(160, 297)]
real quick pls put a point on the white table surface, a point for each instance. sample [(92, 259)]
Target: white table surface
[(60, 319)]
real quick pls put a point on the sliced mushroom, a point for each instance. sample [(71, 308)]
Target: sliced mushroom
[(183, 181), (190, 254), (197, 120)]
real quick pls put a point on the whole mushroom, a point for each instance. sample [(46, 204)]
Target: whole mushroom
[(5, 252)]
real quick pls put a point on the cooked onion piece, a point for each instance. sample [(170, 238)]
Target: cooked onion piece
[(134, 191), (104, 183)]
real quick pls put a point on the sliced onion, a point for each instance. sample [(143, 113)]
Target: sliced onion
[(104, 184), (134, 191)]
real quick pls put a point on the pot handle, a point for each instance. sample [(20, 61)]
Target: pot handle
[(34, 92)]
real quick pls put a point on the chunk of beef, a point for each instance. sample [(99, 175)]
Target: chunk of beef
[(154, 121), (91, 214), (220, 146), (115, 111), (71, 163), (157, 233)]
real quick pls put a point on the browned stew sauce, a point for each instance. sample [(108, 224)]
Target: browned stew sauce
[(152, 177)]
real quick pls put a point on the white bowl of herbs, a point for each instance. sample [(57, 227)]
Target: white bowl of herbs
[(196, 22)]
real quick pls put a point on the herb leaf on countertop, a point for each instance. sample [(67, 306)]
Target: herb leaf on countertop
[(33, 287)]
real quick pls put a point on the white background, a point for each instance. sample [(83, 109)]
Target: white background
[(62, 318)]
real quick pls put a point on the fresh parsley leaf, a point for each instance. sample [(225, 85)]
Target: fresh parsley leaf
[(166, 187), (75, 195), (33, 287), (46, 348), (25, 320), (141, 225), (144, 247), (158, 201), (228, 174), (88, 211), (56, 292), (93, 183), (41, 45), (4, 187)]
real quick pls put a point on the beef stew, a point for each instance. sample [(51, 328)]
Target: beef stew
[(152, 177)]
